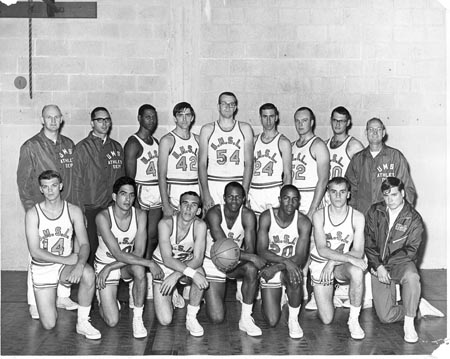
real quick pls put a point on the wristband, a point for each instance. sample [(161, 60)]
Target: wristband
[(189, 272)]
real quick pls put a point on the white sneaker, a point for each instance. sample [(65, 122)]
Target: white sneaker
[(194, 327), (34, 312), (239, 291), (130, 295), (410, 334), (118, 305), (284, 298), (149, 286), (427, 309), (295, 330), (248, 325), (66, 303), (366, 304), (311, 305), (186, 292), (85, 328), (356, 332), (139, 330), (177, 299)]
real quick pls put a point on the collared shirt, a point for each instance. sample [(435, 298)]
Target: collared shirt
[(39, 154), (97, 165)]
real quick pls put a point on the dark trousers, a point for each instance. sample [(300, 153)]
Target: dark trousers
[(90, 214)]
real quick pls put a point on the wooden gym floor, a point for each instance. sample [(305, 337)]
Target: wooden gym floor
[(23, 336)]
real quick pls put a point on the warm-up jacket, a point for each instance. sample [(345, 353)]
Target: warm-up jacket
[(400, 244), (39, 154), (366, 174), (97, 165)]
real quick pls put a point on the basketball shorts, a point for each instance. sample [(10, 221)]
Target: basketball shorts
[(315, 269), (213, 274), (167, 271), (274, 282), (306, 199), (114, 276), (176, 190), (46, 275), (148, 196), (263, 198), (216, 189)]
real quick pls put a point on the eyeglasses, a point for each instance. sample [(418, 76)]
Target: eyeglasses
[(374, 130), (339, 122), (103, 120), (229, 105)]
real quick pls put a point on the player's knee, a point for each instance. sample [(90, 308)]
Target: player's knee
[(272, 319), (251, 272), (164, 318), (326, 318), (356, 273), (216, 318), (111, 320), (88, 276), (48, 323), (411, 278), (138, 272)]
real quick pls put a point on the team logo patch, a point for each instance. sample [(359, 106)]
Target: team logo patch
[(401, 227)]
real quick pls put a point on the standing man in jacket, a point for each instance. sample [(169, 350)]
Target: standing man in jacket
[(394, 231), (47, 150), (98, 163)]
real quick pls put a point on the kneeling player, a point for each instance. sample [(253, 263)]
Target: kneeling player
[(122, 239), (50, 226), (180, 252), (283, 240), (233, 220), (337, 227)]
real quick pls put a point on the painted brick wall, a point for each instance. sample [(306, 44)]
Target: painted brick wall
[(378, 58)]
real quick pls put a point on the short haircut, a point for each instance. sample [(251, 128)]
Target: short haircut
[(342, 111), (373, 119), (391, 182), (194, 194), (289, 187), (122, 181), (182, 106), (339, 180), (95, 110), (228, 93), (48, 106), (313, 117), (234, 184), (49, 174), (145, 107), (268, 106)]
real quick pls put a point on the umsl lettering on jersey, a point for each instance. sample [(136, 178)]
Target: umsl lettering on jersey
[(336, 160), (285, 239), (266, 154), (46, 234), (150, 156), (300, 157), (66, 157), (231, 236), (229, 141), (183, 150), (386, 170), (338, 238), (114, 159)]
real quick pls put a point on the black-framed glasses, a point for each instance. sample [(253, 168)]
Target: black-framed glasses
[(103, 120)]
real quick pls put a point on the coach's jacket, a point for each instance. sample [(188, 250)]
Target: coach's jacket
[(400, 244), (97, 165)]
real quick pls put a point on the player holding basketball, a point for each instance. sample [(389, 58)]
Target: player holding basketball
[(180, 252), (337, 228), (226, 152), (233, 220), (178, 159), (57, 255), (272, 162), (122, 238), (283, 241)]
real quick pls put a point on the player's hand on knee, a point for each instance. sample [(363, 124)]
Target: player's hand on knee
[(156, 270), (169, 284), (200, 281), (102, 276), (327, 276), (75, 274), (258, 261), (358, 262), (267, 273)]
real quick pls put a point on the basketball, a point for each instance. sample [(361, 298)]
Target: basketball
[(225, 254)]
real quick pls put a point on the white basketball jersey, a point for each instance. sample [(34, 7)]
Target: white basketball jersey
[(226, 154), (304, 166), (125, 239), (268, 167), (236, 232), (184, 249), (339, 159), (55, 235), (339, 236), (147, 163), (182, 164), (283, 241)]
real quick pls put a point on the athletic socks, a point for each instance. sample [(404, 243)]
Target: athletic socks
[(137, 311), (83, 313), (354, 312), (293, 312)]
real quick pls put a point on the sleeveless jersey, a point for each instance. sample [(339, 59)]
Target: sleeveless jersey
[(282, 241), (55, 235), (339, 159), (236, 232), (147, 163), (339, 237), (304, 167), (125, 239), (184, 249), (268, 168), (182, 162), (226, 154)]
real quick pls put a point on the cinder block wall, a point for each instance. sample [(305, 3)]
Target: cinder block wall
[(383, 58)]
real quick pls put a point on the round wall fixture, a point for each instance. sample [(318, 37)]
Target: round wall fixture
[(20, 82)]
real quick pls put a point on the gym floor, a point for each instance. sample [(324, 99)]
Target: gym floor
[(22, 335)]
